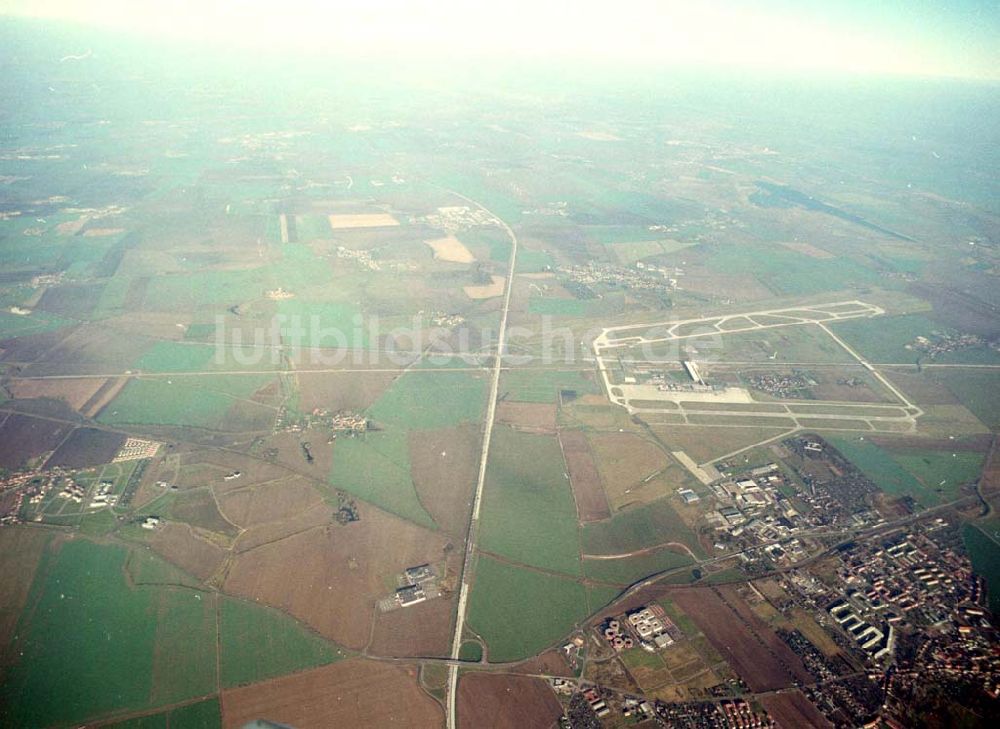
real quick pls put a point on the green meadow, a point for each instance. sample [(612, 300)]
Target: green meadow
[(931, 477), (639, 528), (519, 612), (632, 569), (789, 273), (260, 642), (376, 467), (199, 715), (538, 385), (91, 644), (426, 398), (528, 512), (201, 401)]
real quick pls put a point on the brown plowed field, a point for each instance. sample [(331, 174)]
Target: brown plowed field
[(268, 502), (178, 544), (348, 568), (550, 662), (624, 461), (210, 467), (103, 396), (352, 693), (75, 300), (423, 630), (528, 415), (320, 515), (792, 710), (341, 390), (198, 508), (291, 453), (747, 643), (444, 483), (30, 347), (93, 347), (591, 503), (23, 438), (492, 701), (87, 447), (75, 393), (775, 645)]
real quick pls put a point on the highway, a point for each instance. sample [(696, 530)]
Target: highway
[(477, 498)]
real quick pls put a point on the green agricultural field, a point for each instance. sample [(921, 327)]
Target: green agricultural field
[(176, 357), (528, 510), (731, 574), (984, 551), (941, 472), (299, 270), (199, 715), (600, 596), (15, 325), (185, 651), (195, 289), (201, 401), (520, 612), (260, 643), (494, 239), (312, 227), (529, 261), (628, 252), (885, 339), (98, 523), (20, 252), (787, 272), (912, 473), (145, 568), (615, 234), (878, 465), (538, 385), (632, 569), (794, 343), (427, 398), (976, 390), (321, 324), (566, 307), (376, 467), (638, 528), (87, 652)]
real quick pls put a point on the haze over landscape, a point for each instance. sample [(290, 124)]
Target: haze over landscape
[(460, 365)]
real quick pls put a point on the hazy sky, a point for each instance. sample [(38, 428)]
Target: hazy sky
[(958, 38)]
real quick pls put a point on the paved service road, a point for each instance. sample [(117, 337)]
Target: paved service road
[(470, 541)]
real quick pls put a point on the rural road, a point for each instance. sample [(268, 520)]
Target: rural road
[(477, 499)]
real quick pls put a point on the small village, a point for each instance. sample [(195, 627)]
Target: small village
[(938, 344), (340, 421), (590, 706), (642, 277)]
